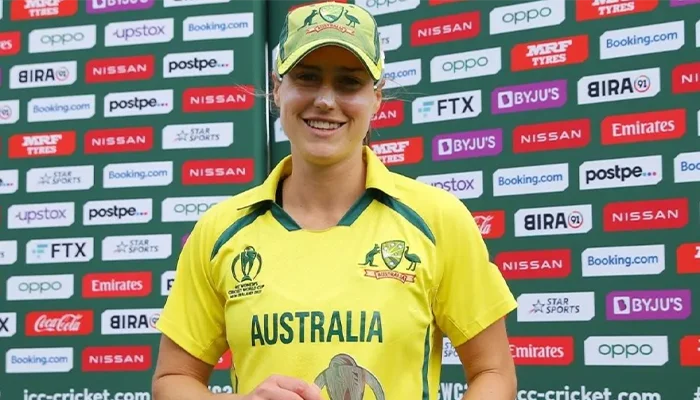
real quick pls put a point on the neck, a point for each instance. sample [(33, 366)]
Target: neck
[(326, 192)]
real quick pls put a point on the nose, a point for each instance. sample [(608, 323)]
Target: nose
[(325, 98)]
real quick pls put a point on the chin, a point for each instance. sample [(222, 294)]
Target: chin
[(325, 153)]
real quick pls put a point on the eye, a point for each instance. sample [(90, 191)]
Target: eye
[(306, 77), (350, 81)]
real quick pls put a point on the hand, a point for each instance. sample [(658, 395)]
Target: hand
[(278, 387)]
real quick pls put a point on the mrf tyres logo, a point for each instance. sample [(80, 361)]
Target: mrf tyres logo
[(399, 151), (556, 307), (598, 9), (113, 212), (47, 144), (130, 321), (619, 86), (547, 221), (620, 173), (152, 102), (549, 53)]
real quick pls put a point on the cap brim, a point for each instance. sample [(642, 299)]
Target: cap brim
[(283, 67)]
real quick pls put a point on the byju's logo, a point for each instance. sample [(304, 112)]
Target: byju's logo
[(464, 185), (620, 173), (545, 221), (556, 307), (39, 360), (470, 64), (647, 39), (453, 146), (197, 136), (134, 321), (139, 32), (623, 261), (43, 215), (9, 112), (524, 16), (530, 96), (70, 38), (205, 63), (550, 178), (221, 26), (63, 108), (60, 179), (648, 305), (626, 350), (107, 6), (618, 86), (182, 209), (158, 173), (137, 247), (112, 212), (40, 287), (152, 102), (66, 250), (43, 75), (446, 107)]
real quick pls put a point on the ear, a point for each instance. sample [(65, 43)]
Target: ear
[(378, 96), (275, 88)]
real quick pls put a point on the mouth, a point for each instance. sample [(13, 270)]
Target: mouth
[(326, 126)]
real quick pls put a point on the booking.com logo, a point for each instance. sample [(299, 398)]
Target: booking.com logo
[(533, 180), (624, 261), (400, 74), (41, 360), (53, 108), (635, 40), (140, 175), (216, 26)]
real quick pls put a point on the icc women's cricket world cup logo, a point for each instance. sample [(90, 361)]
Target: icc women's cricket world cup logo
[(345, 380), (245, 268)]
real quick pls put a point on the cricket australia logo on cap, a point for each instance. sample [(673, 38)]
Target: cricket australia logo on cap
[(245, 268), (332, 15)]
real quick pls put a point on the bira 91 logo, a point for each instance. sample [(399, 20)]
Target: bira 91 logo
[(645, 215), (690, 351), (685, 78), (643, 127), (222, 98), (221, 171), (119, 69), (399, 151), (42, 9), (118, 140), (117, 284), (10, 43), (688, 258), (42, 144), (619, 86), (544, 221), (116, 358), (492, 224), (597, 9), (542, 350), (446, 28), (59, 323), (551, 136), (535, 264), (130, 321), (390, 114), (648, 305), (549, 53)]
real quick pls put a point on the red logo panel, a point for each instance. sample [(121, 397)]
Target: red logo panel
[(551, 136), (643, 127), (535, 264), (542, 350), (688, 258), (120, 69), (119, 140), (117, 284), (399, 151), (42, 9), (390, 114), (59, 323), (116, 358), (597, 9), (446, 28), (47, 144), (685, 78), (221, 171), (549, 53), (645, 215), (690, 351), (222, 98), (492, 224), (10, 43), (224, 361)]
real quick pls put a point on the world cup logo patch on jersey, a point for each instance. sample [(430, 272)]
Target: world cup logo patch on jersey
[(245, 268), (394, 253)]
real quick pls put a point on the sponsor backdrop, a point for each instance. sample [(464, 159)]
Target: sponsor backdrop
[(568, 127), (121, 122)]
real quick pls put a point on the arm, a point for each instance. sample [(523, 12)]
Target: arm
[(488, 365)]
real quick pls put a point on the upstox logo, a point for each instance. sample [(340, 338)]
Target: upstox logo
[(620, 173), (152, 102), (448, 106), (113, 212), (26, 76), (131, 33), (470, 64), (464, 185), (525, 16), (618, 86), (647, 39), (205, 63)]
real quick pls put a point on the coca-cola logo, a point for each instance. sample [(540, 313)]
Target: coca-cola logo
[(59, 323), (492, 224)]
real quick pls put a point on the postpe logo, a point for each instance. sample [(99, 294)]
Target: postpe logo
[(152, 102), (205, 63), (108, 212), (620, 173)]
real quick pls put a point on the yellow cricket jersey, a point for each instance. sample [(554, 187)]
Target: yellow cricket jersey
[(360, 308)]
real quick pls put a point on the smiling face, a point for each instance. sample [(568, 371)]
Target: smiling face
[(326, 103)]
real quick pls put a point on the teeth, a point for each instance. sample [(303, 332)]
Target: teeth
[(323, 124)]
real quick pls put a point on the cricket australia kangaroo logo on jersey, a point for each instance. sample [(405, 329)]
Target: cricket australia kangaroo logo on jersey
[(245, 268), (394, 253)]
